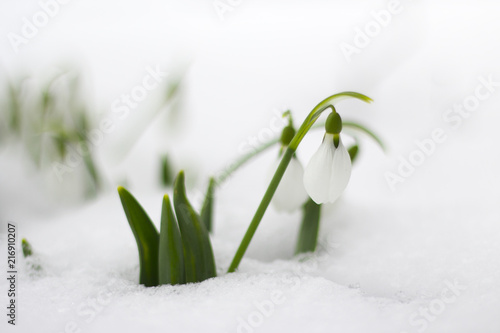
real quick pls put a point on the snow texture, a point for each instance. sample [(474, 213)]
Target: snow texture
[(419, 253)]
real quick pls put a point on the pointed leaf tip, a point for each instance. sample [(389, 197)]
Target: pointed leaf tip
[(26, 247), (179, 184), (146, 236), (198, 254), (171, 256), (206, 213)]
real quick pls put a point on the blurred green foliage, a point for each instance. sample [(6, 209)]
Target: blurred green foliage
[(49, 121), (53, 122)]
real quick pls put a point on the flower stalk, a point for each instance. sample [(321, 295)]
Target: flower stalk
[(285, 160)]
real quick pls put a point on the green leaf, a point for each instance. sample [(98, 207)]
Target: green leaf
[(171, 256), (166, 172), (146, 236), (207, 209), (224, 174), (27, 250), (15, 108), (308, 234), (198, 255), (28, 254), (353, 152), (173, 88), (90, 165), (366, 131)]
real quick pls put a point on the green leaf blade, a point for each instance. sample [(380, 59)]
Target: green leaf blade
[(206, 213), (166, 172), (27, 249), (146, 236), (353, 152), (308, 234), (198, 253), (171, 256), (364, 129)]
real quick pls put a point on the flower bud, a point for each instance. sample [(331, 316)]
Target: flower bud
[(287, 135), (333, 123)]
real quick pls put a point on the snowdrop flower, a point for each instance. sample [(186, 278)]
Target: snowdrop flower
[(290, 194), (328, 172)]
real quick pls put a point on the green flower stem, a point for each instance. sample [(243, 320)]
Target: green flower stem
[(224, 175), (287, 157)]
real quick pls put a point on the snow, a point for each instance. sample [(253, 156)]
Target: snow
[(420, 258)]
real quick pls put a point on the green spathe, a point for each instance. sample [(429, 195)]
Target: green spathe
[(333, 123)]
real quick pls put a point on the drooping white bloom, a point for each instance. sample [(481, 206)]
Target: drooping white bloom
[(290, 194), (328, 172)]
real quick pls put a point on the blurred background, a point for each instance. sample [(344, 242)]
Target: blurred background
[(96, 94)]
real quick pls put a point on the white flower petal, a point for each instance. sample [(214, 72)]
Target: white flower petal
[(340, 173), (290, 194), (318, 171), (328, 172)]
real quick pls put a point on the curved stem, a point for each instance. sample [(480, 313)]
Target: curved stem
[(280, 171), (316, 112), (224, 174)]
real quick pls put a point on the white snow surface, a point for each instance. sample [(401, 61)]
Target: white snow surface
[(424, 257)]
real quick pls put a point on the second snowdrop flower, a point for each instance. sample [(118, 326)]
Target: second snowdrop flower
[(328, 172), (290, 194)]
